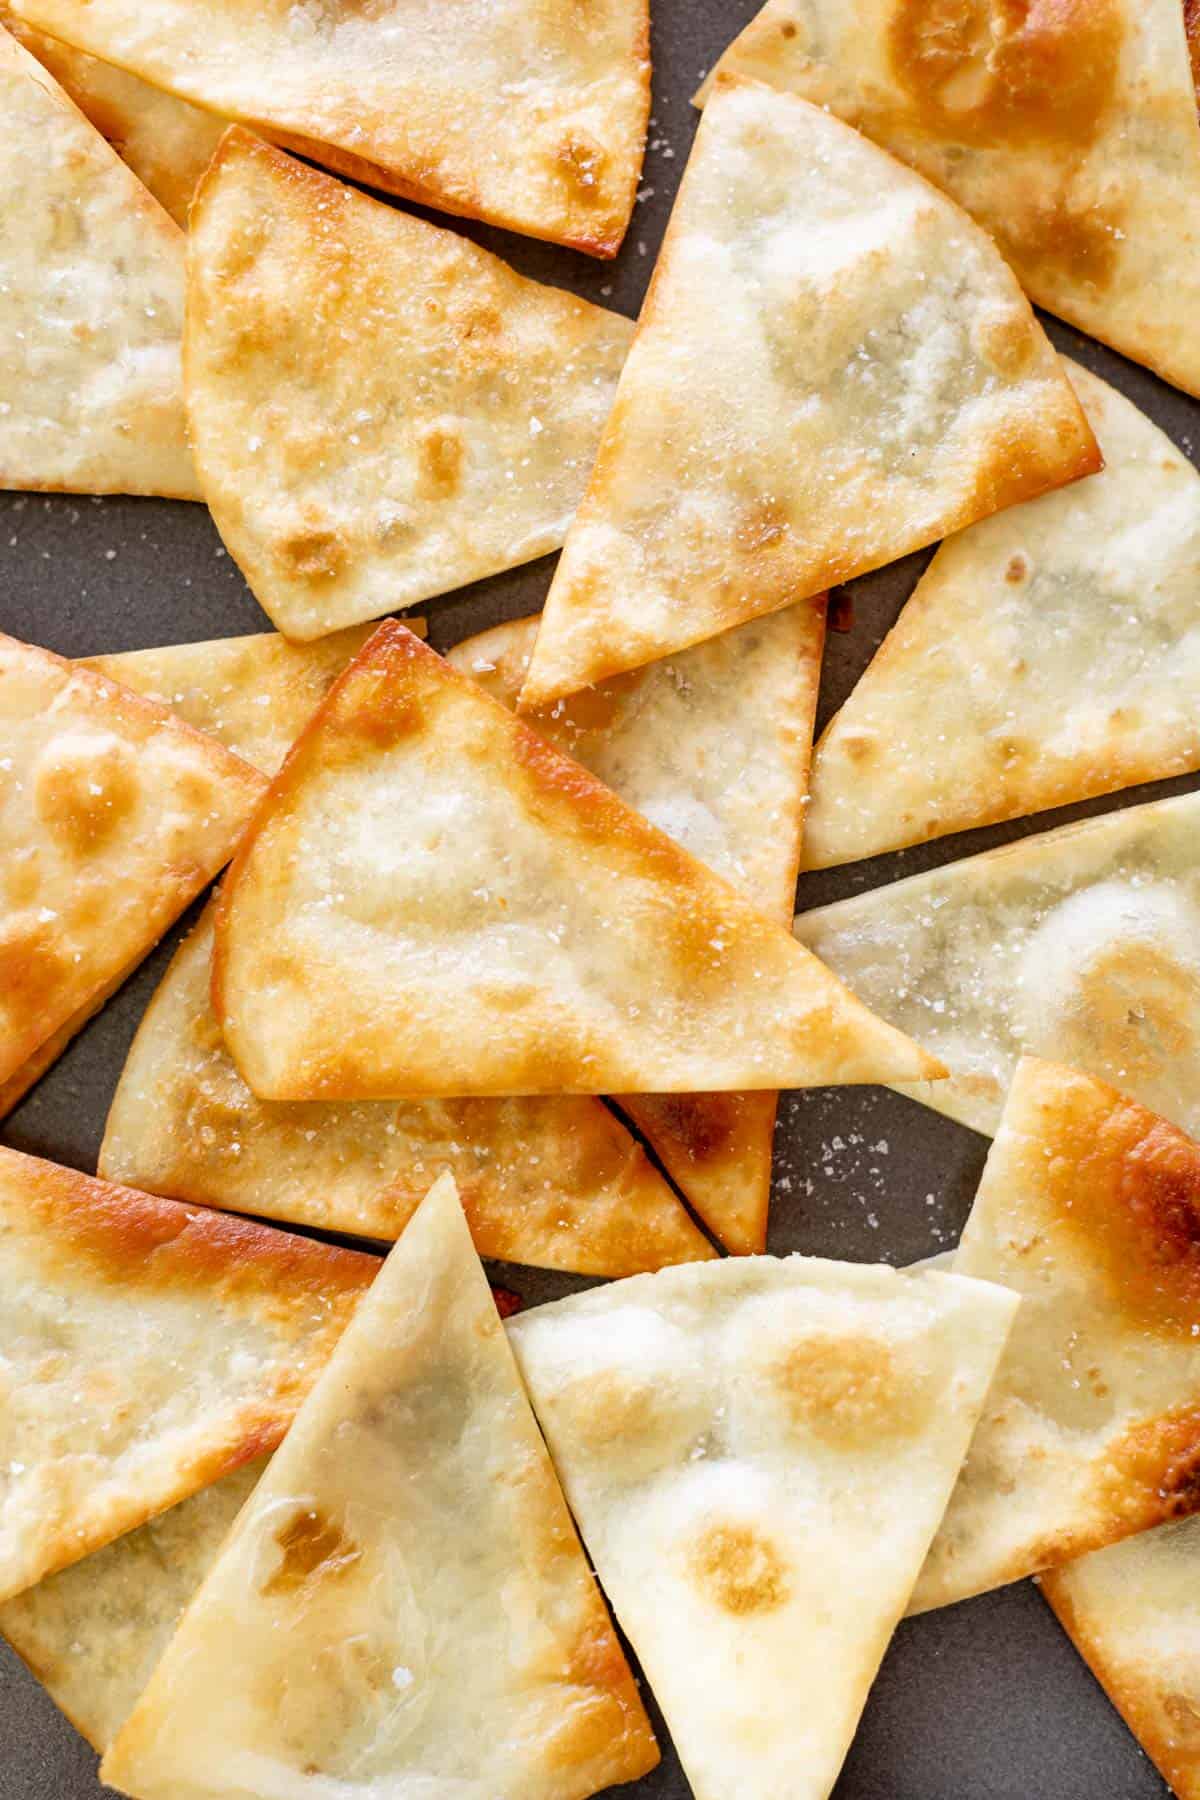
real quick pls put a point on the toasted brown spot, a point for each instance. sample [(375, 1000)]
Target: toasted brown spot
[(761, 526), (442, 453), (315, 554), (581, 160), (31, 963), (85, 787), (1009, 72), (1055, 237), (1017, 570), (1184, 1715), (739, 1570), (788, 30), (1133, 1012), (852, 1389), (1007, 341), (314, 1548)]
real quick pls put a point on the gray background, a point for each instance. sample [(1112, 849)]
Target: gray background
[(983, 1701)]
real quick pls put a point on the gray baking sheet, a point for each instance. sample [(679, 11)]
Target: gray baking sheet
[(983, 1701)]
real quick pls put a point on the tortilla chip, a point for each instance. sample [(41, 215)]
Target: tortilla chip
[(91, 306), (115, 814), (150, 1347), (407, 1547), (554, 1182), (254, 694), (167, 143), (380, 410), (1081, 945), (528, 116), (987, 699), (713, 747), (1068, 130), (833, 366), (723, 1436), (93, 1633), (1133, 1613), (1089, 1208), (433, 901)]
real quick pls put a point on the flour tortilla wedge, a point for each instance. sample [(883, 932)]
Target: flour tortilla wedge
[(433, 901), (408, 1545), (1068, 130), (532, 117), (723, 1435), (1132, 1612), (167, 143), (833, 366), (987, 701), (254, 694), (556, 1182), (712, 746), (1079, 945), (1089, 1208), (113, 815), (93, 1633), (150, 1349), (380, 410), (91, 306)]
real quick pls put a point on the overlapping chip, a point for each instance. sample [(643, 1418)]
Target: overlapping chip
[(713, 747), (91, 306), (988, 700), (1089, 1208), (725, 1437), (435, 902), (556, 1182), (1068, 130), (1081, 945), (407, 1548), (113, 815), (150, 1349), (833, 366), (380, 410)]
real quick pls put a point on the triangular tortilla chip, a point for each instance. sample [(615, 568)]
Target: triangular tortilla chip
[(1081, 945), (987, 700), (113, 816), (724, 1436), (1133, 1613), (91, 306), (167, 143), (712, 746), (150, 1348), (407, 1550), (93, 1633), (380, 410), (433, 901), (833, 366), (1069, 131), (556, 1182), (1089, 1208), (528, 116), (254, 694)]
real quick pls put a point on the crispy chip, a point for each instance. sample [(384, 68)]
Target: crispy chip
[(1081, 945), (833, 366), (1067, 128), (433, 901), (988, 699), (150, 1349), (91, 306), (113, 816), (713, 747), (410, 1607), (381, 411), (724, 1436), (556, 1182), (529, 116), (1089, 1208)]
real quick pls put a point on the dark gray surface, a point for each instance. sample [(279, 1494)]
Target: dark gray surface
[(985, 1701)]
